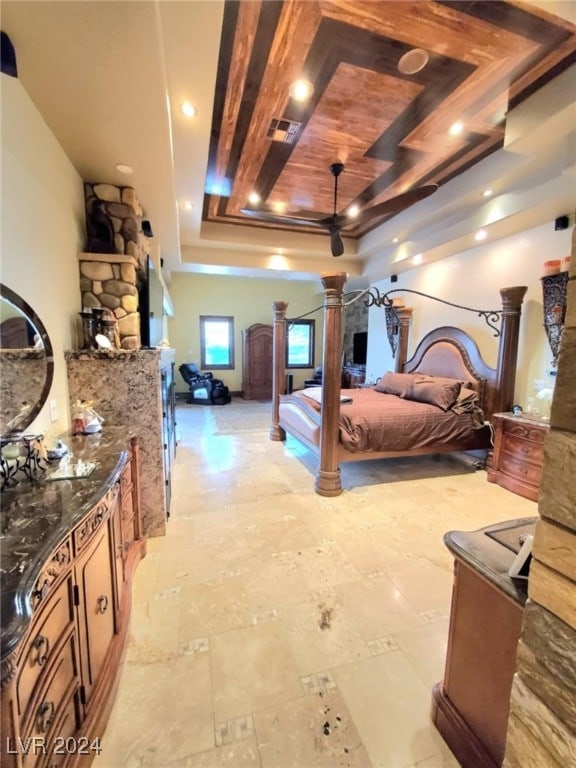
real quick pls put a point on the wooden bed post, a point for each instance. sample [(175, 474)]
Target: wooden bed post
[(512, 299), (405, 320), (278, 367), (328, 475)]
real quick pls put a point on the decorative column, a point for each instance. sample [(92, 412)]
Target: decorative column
[(278, 370), (328, 475), (512, 299)]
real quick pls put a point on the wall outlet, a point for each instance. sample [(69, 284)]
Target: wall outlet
[(53, 410)]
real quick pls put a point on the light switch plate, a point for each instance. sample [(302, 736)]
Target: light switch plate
[(53, 410)]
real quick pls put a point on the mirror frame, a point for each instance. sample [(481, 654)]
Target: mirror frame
[(32, 317)]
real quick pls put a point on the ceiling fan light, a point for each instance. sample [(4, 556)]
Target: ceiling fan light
[(456, 128), (353, 211), (413, 61), (254, 198), (300, 90)]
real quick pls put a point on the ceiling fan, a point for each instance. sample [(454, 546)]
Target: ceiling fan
[(336, 221)]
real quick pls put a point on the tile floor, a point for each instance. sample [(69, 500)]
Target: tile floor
[(274, 628)]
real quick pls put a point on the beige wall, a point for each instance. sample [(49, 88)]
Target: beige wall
[(42, 230), (473, 278), (248, 300)]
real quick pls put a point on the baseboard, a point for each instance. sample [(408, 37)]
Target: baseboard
[(468, 750)]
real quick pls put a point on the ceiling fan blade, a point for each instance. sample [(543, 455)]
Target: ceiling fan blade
[(395, 204), (276, 218), (336, 244)]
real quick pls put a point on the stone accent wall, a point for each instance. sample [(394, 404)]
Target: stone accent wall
[(114, 222), (542, 723), (115, 261), (110, 281), (355, 320)]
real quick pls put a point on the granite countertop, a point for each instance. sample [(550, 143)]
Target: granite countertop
[(36, 516), (490, 558)]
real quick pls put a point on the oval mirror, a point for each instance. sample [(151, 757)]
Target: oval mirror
[(26, 363)]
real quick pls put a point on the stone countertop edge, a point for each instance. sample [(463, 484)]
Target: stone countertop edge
[(489, 558), (109, 450)]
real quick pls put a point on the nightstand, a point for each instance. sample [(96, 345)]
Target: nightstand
[(518, 453)]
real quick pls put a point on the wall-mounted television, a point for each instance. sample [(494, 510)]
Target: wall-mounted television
[(360, 347)]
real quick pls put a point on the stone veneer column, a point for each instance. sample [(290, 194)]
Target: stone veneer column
[(542, 723), (109, 281)]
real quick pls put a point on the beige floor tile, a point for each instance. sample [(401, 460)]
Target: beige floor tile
[(143, 728), (154, 625), (390, 707), (425, 586), (425, 649), (251, 669), (312, 731), (207, 609), (376, 607), (240, 754), (442, 760), (322, 635)]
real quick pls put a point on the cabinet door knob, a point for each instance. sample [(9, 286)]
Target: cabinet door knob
[(45, 715), (102, 604), (41, 642)]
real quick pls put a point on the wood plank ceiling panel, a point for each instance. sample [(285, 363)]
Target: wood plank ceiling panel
[(390, 129)]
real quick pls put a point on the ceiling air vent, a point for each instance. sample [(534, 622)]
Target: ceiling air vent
[(283, 130)]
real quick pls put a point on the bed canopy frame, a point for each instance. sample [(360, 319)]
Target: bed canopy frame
[(448, 350)]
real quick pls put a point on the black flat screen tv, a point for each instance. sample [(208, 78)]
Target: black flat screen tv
[(360, 347)]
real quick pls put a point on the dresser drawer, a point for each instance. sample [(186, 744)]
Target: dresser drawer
[(58, 748), (523, 449), (50, 698), (535, 433), (44, 640), (515, 466)]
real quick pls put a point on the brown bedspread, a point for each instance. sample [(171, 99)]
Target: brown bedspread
[(374, 421)]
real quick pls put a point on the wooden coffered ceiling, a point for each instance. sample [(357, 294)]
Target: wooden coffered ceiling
[(391, 130)]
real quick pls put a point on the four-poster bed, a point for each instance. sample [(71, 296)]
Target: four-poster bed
[(358, 430)]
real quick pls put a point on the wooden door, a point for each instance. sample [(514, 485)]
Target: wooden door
[(257, 362), (96, 607)]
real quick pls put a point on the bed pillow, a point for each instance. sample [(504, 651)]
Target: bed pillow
[(394, 383), (427, 389)]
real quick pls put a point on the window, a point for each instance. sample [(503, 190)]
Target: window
[(300, 344), (216, 342)]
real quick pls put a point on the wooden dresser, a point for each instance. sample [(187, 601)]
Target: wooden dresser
[(470, 706), (66, 597), (518, 454)]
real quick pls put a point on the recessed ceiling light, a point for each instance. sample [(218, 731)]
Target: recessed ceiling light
[(481, 235), (254, 198), (487, 192), (124, 168), (413, 61), (456, 129), (300, 90), (396, 240), (187, 205), (188, 109), (353, 211), (417, 259)]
